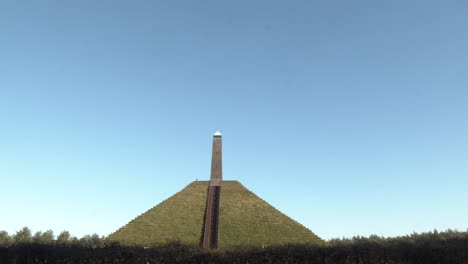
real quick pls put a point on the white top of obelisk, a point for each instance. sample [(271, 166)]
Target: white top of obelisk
[(217, 133)]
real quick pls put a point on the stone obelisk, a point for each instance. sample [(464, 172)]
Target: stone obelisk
[(210, 235)]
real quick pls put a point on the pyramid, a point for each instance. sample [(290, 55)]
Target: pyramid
[(244, 220)]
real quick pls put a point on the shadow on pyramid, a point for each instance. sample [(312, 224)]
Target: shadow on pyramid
[(244, 220)]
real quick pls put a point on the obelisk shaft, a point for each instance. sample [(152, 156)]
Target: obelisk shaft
[(210, 236), (216, 161)]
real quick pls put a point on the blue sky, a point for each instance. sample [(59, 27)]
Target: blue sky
[(348, 116)]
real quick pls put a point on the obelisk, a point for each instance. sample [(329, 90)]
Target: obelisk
[(210, 236)]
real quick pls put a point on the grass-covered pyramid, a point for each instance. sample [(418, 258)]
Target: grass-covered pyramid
[(244, 220)]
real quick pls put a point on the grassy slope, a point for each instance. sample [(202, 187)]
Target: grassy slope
[(180, 217), (245, 219)]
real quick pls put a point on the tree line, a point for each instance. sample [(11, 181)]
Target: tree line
[(25, 236), (450, 246)]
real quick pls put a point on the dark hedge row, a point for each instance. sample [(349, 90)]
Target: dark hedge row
[(426, 248)]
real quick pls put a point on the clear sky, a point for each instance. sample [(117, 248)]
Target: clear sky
[(351, 117)]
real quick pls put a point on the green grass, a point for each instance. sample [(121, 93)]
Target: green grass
[(245, 220), (180, 217)]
